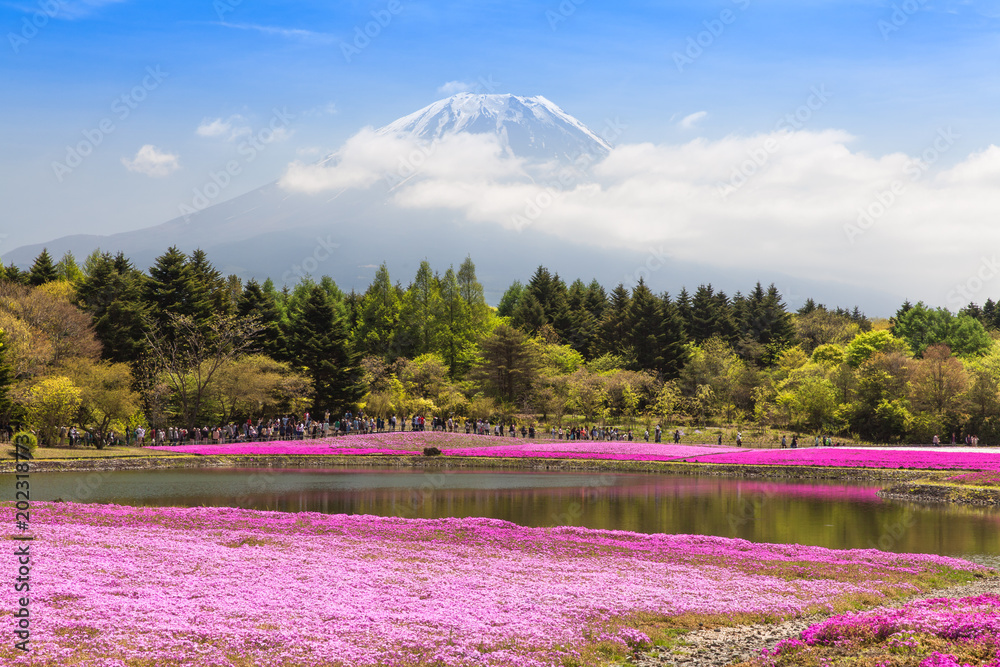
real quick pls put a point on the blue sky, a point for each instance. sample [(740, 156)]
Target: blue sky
[(895, 72)]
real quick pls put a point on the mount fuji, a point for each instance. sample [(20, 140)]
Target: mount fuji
[(379, 199)]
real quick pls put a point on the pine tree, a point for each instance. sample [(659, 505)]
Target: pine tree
[(43, 270), (615, 337), (255, 302), (529, 316), (172, 290), (684, 310), (643, 320), (211, 296), (318, 345), (378, 321), (509, 300), (673, 350), (419, 306), (113, 292), (597, 300), (704, 321), (458, 336), (68, 270)]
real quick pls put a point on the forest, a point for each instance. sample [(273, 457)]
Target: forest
[(104, 346)]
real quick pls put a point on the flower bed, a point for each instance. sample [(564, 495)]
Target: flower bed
[(929, 633), (168, 586), (986, 478), (452, 444), (858, 458)]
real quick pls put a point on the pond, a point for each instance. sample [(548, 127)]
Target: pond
[(831, 514)]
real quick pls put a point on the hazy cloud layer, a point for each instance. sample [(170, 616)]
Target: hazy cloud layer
[(151, 161), (804, 203)]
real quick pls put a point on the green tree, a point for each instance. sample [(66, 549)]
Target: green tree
[(509, 365), (256, 302), (674, 350), (378, 323), (319, 346), (420, 304), (643, 320), (863, 346), (922, 327), (113, 292), (43, 270), (68, 269), (509, 300)]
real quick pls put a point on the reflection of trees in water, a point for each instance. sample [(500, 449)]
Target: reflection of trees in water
[(831, 514)]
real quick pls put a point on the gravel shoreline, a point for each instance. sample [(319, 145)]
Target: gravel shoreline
[(719, 647)]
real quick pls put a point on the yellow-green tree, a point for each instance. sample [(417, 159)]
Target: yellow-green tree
[(53, 403), (107, 400)]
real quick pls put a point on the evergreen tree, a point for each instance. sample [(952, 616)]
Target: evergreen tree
[(212, 294), (615, 336), (643, 321), (705, 319), (43, 270), (419, 307), (173, 290), (509, 300), (458, 336), (583, 330), (378, 321), (114, 293), (597, 300), (256, 302), (472, 293), (529, 315), (684, 310), (673, 340), (319, 346), (68, 270)]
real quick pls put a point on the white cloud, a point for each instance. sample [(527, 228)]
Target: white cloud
[(231, 128), (455, 87), (689, 122), (151, 161), (802, 203), (369, 157), (296, 34)]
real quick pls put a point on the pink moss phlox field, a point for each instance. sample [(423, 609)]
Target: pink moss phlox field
[(859, 458), (451, 444), (985, 478), (971, 625), (115, 585)]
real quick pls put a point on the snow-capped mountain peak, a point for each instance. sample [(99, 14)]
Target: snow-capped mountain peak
[(527, 127)]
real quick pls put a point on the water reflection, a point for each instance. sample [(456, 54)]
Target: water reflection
[(832, 514)]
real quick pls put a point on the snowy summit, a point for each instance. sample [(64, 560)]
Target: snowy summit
[(527, 127)]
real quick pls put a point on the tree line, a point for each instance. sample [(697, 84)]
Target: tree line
[(105, 345)]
